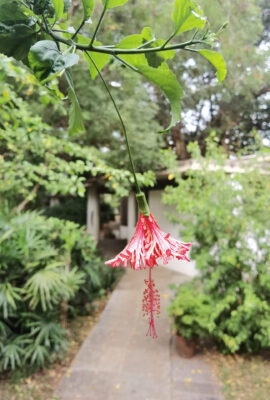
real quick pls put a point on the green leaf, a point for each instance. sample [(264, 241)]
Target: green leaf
[(113, 3), (12, 10), (132, 42), (147, 34), (17, 29), (88, 6), (47, 61), (16, 41), (155, 59), (186, 16), (151, 59), (101, 59), (75, 113), (218, 62), (41, 7), (82, 39), (152, 66), (59, 8), (166, 54), (164, 78)]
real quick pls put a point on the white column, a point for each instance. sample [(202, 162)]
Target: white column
[(54, 201), (132, 216), (92, 213)]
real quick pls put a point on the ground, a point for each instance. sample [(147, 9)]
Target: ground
[(243, 377)]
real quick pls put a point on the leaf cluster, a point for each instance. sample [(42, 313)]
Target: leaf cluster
[(50, 46), (43, 262), (226, 216), (31, 153)]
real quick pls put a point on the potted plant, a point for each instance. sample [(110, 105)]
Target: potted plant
[(191, 312)]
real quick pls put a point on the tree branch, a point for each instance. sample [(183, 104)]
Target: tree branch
[(113, 51), (29, 198), (262, 91)]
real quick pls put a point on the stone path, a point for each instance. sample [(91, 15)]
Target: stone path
[(118, 362)]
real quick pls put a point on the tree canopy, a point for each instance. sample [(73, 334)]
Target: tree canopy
[(34, 158), (44, 41)]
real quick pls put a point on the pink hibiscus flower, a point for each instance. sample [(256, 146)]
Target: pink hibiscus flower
[(149, 244)]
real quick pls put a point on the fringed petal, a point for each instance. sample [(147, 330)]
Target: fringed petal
[(148, 244)]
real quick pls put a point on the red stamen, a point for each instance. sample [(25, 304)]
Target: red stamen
[(151, 305)]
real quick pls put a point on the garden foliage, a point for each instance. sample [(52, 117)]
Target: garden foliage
[(34, 157), (227, 217), (49, 268), (45, 263)]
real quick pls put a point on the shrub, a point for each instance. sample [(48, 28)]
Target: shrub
[(227, 217), (191, 311), (44, 263)]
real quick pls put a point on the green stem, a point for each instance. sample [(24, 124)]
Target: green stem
[(78, 30), (146, 44), (121, 121), (126, 63), (193, 50), (98, 24), (195, 34), (167, 41), (113, 51)]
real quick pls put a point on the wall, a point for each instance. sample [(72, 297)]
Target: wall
[(92, 213), (132, 216)]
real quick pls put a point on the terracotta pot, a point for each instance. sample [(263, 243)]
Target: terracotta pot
[(186, 347)]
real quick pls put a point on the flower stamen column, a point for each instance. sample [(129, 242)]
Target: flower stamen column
[(151, 305)]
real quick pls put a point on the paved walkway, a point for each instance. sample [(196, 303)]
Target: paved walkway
[(118, 362)]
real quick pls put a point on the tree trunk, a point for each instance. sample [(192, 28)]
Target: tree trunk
[(180, 145)]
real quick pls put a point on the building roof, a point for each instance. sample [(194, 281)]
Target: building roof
[(236, 165)]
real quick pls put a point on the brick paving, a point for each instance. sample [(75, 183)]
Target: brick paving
[(118, 362)]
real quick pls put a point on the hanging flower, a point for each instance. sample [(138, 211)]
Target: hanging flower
[(148, 244)]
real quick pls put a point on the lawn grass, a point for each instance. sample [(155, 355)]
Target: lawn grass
[(42, 384), (243, 377)]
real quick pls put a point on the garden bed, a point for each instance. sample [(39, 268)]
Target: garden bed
[(243, 377), (42, 384)]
